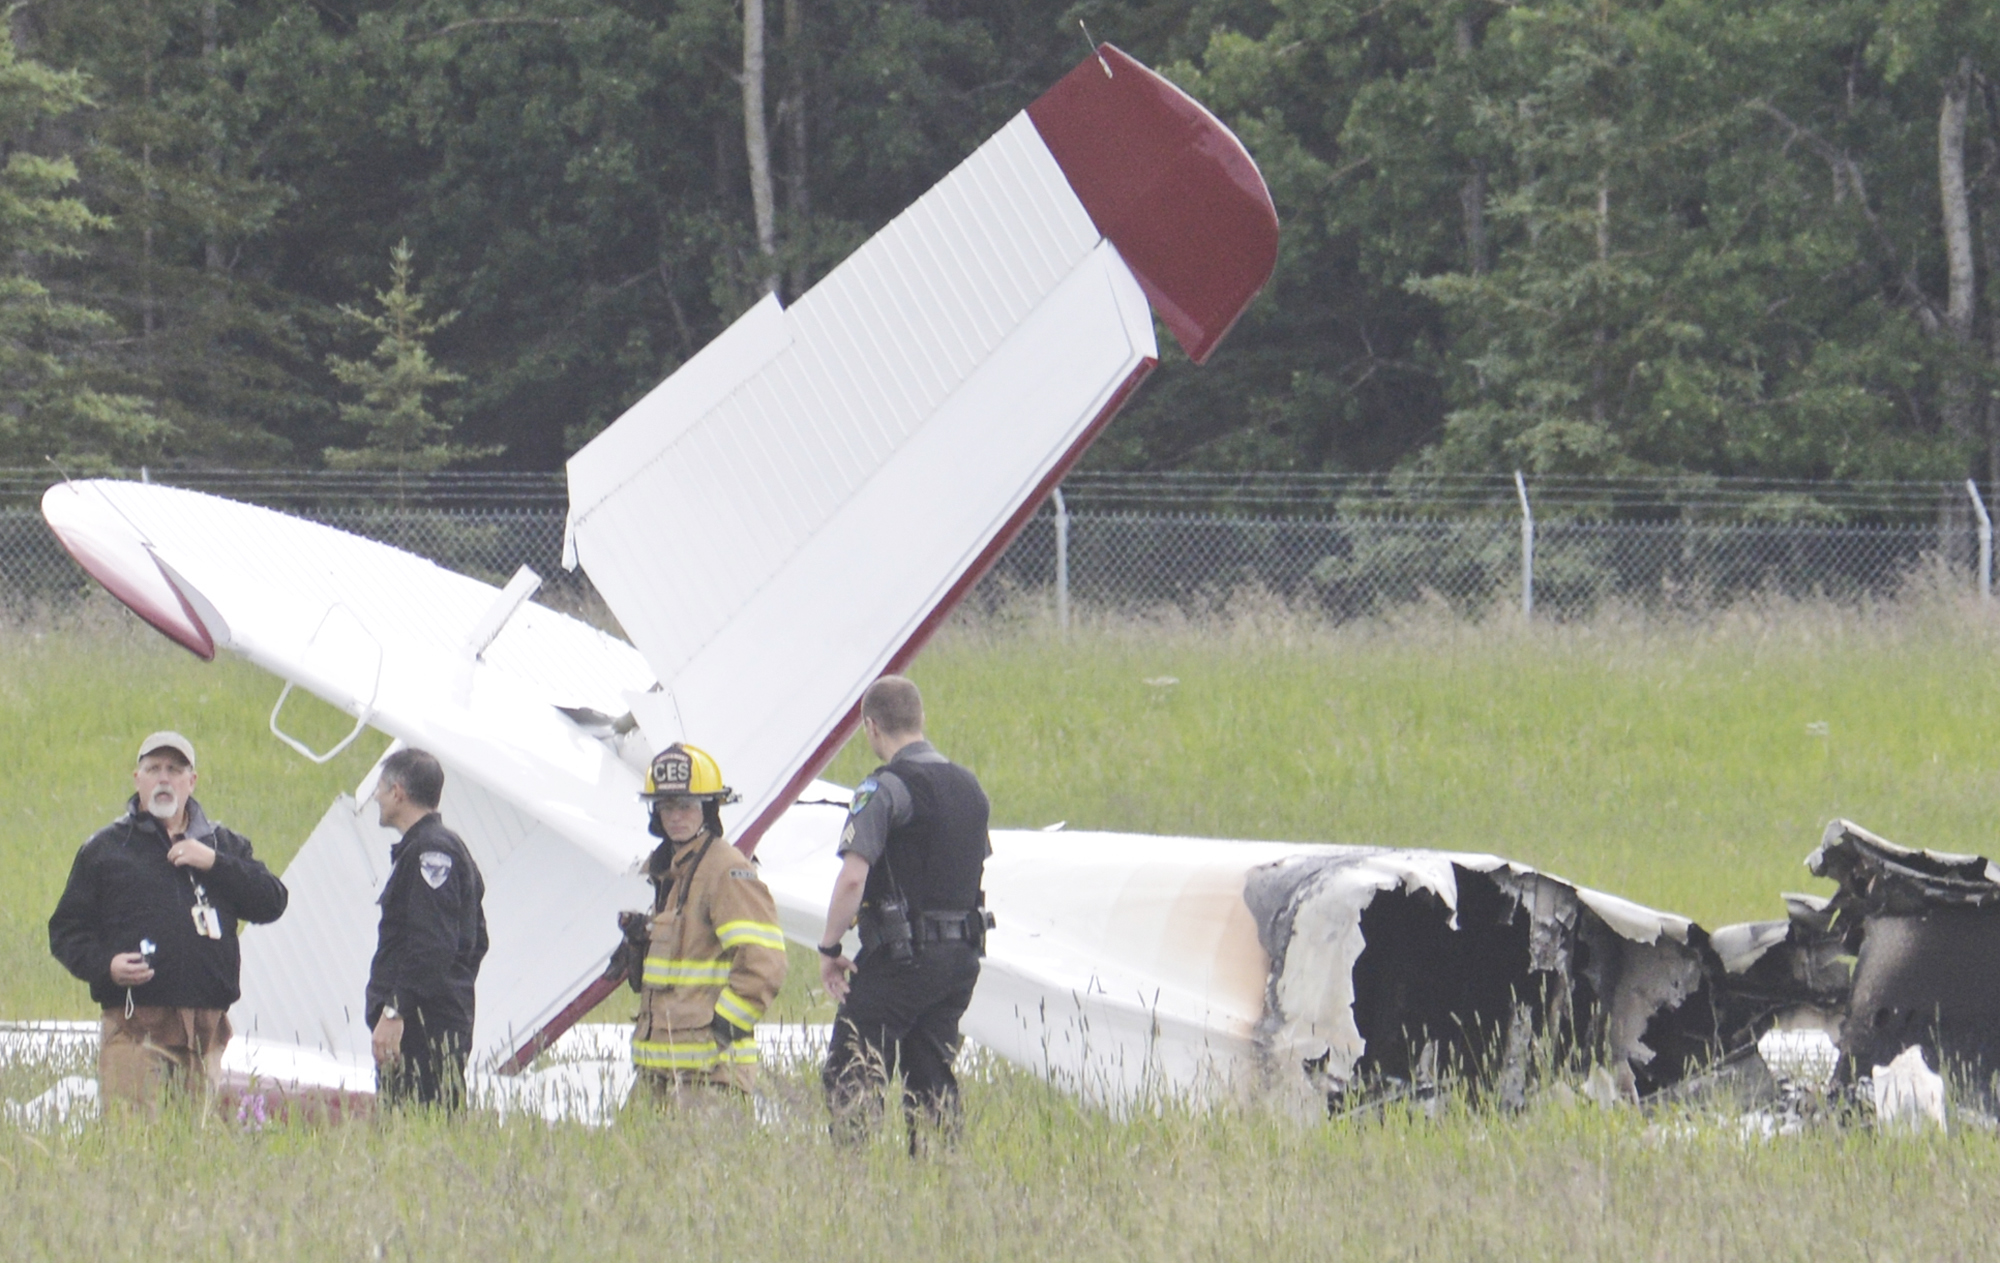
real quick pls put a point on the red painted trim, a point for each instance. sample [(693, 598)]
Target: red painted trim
[(552, 1030), (1170, 186), (202, 643), (823, 755), (178, 622)]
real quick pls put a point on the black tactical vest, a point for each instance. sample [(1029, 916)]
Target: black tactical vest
[(939, 857)]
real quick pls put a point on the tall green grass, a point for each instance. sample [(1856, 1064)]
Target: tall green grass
[(1035, 1176)]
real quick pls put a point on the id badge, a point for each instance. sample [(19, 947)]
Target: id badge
[(207, 921)]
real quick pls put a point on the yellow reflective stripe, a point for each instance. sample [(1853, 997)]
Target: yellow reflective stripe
[(751, 933), (657, 1055), (661, 972), (711, 965), (652, 1054), (739, 1011)]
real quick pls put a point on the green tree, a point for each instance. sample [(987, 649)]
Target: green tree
[(1602, 237), (50, 404), (1605, 236), (175, 151), (1336, 366), (401, 429)]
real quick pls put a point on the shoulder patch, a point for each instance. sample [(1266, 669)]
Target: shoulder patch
[(742, 874), (435, 866), (862, 793)]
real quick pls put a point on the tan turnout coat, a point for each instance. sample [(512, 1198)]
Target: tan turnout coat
[(714, 950)]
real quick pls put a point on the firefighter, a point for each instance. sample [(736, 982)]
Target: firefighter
[(714, 957)]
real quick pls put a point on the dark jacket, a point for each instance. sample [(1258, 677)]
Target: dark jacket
[(433, 933), (122, 889)]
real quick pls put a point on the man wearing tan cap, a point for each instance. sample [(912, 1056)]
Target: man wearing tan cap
[(149, 919)]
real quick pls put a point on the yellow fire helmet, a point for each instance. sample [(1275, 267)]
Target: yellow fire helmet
[(686, 771)]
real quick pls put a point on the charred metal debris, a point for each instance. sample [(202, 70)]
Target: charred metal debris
[(1395, 971)]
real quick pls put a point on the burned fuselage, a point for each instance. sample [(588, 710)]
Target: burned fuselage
[(1392, 969), (1923, 931)]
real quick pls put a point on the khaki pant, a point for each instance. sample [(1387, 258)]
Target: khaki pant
[(159, 1050), (675, 1087)]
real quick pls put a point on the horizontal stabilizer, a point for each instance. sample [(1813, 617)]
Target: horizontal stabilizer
[(793, 513)]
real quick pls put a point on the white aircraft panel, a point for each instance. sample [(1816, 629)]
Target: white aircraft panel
[(927, 387), (305, 973), (551, 916)]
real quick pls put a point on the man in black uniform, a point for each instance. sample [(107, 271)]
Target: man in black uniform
[(432, 938), (149, 919), (913, 856)]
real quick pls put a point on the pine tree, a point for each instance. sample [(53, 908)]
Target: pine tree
[(401, 429), (176, 149), (48, 406)]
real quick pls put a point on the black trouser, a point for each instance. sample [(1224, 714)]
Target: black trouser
[(432, 1070), (900, 1017)]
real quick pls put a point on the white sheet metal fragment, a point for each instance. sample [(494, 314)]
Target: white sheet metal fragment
[(1635, 921), (1908, 1095), (1630, 920)]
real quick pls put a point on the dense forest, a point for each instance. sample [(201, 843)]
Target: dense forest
[(1571, 236)]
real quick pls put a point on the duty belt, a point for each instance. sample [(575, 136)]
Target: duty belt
[(947, 927), (931, 927)]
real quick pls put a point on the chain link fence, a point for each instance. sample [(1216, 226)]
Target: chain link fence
[(1111, 547), (1356, 568)]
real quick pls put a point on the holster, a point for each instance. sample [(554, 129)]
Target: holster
[(955, 927)]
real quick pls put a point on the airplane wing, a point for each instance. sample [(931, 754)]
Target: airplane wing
[(793, 512)]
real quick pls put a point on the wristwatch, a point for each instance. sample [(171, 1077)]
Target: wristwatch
[(831, 953), (389, 1012)]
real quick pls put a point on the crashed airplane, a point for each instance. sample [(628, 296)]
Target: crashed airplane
[(930, 391)]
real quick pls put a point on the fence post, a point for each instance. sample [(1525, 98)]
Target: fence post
[(1985, 541), (1062, 561), (1527, 548)]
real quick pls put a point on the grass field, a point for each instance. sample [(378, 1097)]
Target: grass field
[(1688, 764), (1034, 1178)]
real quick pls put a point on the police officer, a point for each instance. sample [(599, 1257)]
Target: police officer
[(429, 945), (713, 955), (913, 857), (149, 919)]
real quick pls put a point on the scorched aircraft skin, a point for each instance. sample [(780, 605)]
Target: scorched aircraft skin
[(919, 402)]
